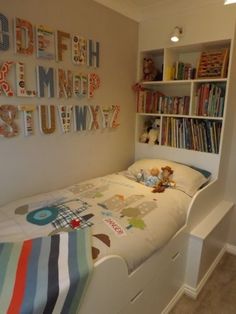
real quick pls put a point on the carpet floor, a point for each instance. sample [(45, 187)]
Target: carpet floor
[(218, 295)]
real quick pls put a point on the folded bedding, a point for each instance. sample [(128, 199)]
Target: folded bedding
[(45, 274)]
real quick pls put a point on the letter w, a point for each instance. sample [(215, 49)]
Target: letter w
[(80, 118)]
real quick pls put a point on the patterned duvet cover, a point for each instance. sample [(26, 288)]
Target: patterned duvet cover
[(125, 217)]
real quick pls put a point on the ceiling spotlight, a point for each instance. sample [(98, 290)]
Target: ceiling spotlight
[(175, 36), (230, 1)]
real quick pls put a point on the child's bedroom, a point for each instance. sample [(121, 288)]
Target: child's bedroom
[(117, 135)]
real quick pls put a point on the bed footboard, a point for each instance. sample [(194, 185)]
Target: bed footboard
[(151, 287)]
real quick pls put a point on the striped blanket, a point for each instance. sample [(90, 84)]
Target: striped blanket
[(45, 275)]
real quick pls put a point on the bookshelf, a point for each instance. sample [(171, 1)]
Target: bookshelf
[(189, 105)]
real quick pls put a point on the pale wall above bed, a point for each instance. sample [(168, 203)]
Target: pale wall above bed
[(41, 163)]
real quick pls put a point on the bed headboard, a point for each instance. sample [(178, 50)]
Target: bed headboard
[(202, 160)]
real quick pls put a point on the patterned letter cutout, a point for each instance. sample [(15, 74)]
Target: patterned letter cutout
[(115, 114), (94, 124), (65, 83), (65, 117), (94, 83), (24, 38), (8, 128), (45, 43), (45, 78), (47, 119), (4, 85), (28, 112), (4, 36), (79, 50), (20, 82), (106, 116), (60, 45), (80, 85)]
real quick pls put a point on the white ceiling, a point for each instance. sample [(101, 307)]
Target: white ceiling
[(140, 10)]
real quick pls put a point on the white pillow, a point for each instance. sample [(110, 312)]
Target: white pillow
[(187, 179)]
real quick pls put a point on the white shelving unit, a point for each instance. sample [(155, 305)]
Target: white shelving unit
[(201, 153)]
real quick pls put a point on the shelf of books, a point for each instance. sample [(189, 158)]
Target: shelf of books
[(195, 134), (209, 98), (182, 102)]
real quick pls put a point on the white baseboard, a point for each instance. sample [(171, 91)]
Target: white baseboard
[(194, 292), (231, 249), (175, 299)]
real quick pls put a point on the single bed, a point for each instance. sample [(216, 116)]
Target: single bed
[(137, 239)]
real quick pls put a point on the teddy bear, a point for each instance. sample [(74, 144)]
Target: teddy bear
[(149, 69), (150, 72), (151, 132), (165, 180)]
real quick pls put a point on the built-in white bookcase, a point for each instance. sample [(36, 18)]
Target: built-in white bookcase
[(194, 130)]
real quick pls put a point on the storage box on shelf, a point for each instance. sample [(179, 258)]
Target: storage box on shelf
[(190, 109)]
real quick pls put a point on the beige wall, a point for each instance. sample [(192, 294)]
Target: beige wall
[(207, 23), (44, 162)]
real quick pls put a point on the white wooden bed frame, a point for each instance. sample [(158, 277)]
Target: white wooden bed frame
[(184, 264), (181, 266)]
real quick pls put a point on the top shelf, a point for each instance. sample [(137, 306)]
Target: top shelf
[(184, 64)]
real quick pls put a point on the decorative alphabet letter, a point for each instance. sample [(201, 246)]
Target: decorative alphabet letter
[(4, 36), (65, 117), (80, 85), (94, 124), (60, 45), (93, 84), (79, 50), (80, 118), (8, 128), (20, 82), (45, 79), (47, 119), (65, 83), (28, 111), (24, 38), (45, 43), (93, 54), (4, 85), (106, 115), (115, 114)]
